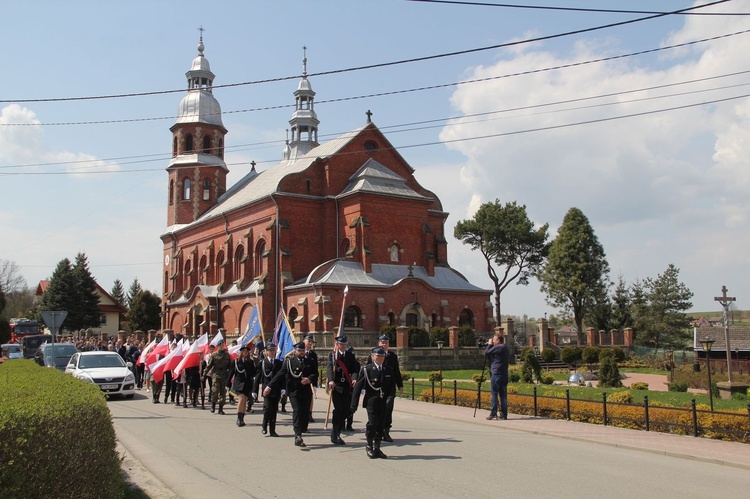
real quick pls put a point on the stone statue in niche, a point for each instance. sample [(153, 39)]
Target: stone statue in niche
[(394, 253)]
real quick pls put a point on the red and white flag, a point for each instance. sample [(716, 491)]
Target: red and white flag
[(234, 351), (175, 356), (161, 349), (192, 357), (217, 338), (157, 370), (144, 354)]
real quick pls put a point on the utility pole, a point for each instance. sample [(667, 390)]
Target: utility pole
[(725, 300)]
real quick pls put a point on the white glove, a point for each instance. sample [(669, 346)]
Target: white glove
[(255, 396), (283, 392)]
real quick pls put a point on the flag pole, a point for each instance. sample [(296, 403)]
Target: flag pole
[(260, 318), (341, 333)]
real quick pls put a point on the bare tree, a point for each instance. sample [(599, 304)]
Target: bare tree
[(11, 278)]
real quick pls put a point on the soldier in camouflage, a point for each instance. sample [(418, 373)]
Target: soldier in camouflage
[(218, 365)]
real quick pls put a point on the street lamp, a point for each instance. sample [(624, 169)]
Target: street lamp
[(440, 361), (706, 344)]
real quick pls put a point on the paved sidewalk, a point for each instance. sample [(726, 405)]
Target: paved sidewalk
[(697, 448)]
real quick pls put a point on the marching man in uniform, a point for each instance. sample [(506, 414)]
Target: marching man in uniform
[(343, 369), (377, 383), (298, 373)]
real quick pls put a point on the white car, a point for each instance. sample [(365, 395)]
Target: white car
[(106, 369)]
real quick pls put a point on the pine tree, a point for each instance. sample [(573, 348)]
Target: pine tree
[(621, 303), (118, 292), (576, 268), (60, 294), (85, 312), (135, 288), (668, 299), (144, 312)]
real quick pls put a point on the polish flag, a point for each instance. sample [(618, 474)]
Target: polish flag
[(161, 349), (144, 354), (214, 342), (175, 356), (158, 368), (192, 358), (234, 351)]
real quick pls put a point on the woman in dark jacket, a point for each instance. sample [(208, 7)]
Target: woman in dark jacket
[(243, 369)]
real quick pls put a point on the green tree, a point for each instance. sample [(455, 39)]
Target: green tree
[(609, 373), (144, 312), (621, 306), (85, 311), (118, 292), (60, 294), (599, 314), (508, 240), (135, 288), (576, 267), (666, 324)]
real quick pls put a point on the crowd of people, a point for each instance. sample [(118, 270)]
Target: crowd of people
[(255, 375)]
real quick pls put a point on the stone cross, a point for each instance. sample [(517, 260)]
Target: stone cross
[(725, 300)]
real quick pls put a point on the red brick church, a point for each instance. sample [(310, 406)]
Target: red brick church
[(348, 212)]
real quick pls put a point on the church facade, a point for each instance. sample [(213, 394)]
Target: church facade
[(345, 214)]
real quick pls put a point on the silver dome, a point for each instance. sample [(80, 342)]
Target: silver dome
[(199, 106)]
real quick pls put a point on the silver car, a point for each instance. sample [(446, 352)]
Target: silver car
[(106, 369)]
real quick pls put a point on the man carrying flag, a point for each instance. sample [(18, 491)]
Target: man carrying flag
[(343, 369)]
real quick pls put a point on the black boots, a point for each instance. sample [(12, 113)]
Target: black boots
[(213, 406), (221, 408), (376, 450), (387, 436), (369, 449), (240, 419), (298, 441), (336, 436)]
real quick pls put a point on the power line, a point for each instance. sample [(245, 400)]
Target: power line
[(579, 9), (379, 65), (409, 90)]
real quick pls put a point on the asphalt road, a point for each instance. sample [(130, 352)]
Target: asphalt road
[(194, 453)]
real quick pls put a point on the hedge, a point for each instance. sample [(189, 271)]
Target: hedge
[(56, 436)]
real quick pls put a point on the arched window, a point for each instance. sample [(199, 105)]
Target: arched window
[(352, 317), (292, 315), (186, 275), (344, 247), (434, 321), (206, 145), (171, 191), (186, 189), (202, 270), (166, 283), (189, 143), (412, 319), (466, 318), (239, 257), (260, 248), (219, 276), (394, 252), (174, 147), (206, 189), (391, 319)]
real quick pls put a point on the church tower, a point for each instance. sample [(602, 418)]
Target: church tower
[(197, 171), (304, 121)]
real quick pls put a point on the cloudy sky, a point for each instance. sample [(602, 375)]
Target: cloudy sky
[(642, 121)]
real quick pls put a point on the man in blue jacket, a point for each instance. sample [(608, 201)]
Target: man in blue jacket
[(497, 353)]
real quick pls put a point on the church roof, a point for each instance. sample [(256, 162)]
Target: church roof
[(385, 275), (256, 186), (375, 178)]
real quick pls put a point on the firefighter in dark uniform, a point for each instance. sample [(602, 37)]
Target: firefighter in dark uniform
[(343, 369), (298, 373), (391, 360), (268, 367), (309, 342), (257, 357), (376, 382)]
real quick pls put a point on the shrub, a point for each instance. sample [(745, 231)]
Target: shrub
[(525, 351), (619, 354), (531, 368), (548, 355), (590, 355), (548, 379), (405, 376), (466, 336), (570, 355), (436, 376), (478, 378), (639, 385), (514, 376), (605, 353), (439, 334), (739, 396), (678, 386), (609, 374), (624, 397), (418, 337), (57, 435), (390, 331)]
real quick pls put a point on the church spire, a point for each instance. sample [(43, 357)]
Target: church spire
[(304, 122)]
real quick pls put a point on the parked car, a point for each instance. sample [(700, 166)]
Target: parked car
[(30, 344), (12, 351), (58, 357), (106, 369)]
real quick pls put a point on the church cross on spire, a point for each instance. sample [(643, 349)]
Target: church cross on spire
[(304, 62)]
